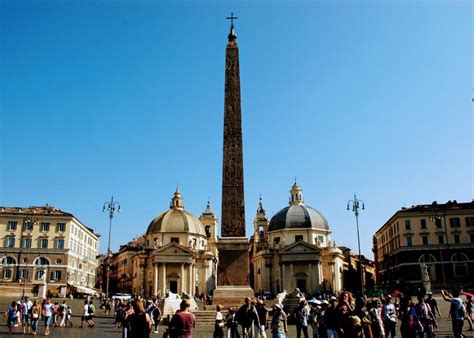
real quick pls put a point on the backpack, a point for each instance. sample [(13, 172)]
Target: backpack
[(91, 309)]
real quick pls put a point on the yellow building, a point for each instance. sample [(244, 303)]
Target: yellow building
[(294, 250), (177, 253), (440, 236), (45, 244)]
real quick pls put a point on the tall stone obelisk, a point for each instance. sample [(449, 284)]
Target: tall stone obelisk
[(233, 267)]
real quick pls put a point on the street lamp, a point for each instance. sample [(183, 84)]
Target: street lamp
[(356, 204), (28, 224), (437, 216), (112, 207)]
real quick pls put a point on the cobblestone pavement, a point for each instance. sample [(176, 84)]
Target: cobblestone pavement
[(105, 325)]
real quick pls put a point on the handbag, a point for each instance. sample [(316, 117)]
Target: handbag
[(35, 315)]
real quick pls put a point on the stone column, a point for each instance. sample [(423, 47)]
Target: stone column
[(163, 277), (155, 281), (181, 279), (268, 280), (292, 278), (283, 276), (193, 278), (190, 279), (310, 271)]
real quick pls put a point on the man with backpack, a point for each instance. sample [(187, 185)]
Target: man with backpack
[(301, 315), (457, 311), (245, 316)]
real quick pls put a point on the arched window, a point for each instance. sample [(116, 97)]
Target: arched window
[(427, 258), (460, 266), (8, 260), (41, 261)]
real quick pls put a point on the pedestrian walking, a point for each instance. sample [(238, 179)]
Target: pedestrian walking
[(332, 319), (301, 314), (11, 314), (183, 321), (279, 325), (219, 323), (140, 321), (457, 311), (425, 317), (156, 316), (245, 316), (375, 315), (389, 317), (231, 324), (47, 315), (35, 316), (25, 314), (262, 317), (469, 310)]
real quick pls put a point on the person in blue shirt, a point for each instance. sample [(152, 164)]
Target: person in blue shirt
[(457, 311), (11, 315)]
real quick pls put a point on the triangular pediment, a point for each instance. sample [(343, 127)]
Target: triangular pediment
[(173, 248), (300, 247)]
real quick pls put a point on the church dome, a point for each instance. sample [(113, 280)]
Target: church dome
[(298, 215), (176, 220)]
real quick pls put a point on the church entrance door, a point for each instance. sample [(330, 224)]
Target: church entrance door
[(301, 284), (174, 286)]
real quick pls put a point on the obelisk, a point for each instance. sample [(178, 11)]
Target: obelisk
[(233, 266)]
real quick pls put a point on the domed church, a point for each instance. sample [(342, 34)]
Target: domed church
[(178, 253), (294, 250)]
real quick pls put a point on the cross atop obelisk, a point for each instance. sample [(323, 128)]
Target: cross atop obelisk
[(232, 35)]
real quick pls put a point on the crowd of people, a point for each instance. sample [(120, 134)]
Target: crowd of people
[(327, 317)]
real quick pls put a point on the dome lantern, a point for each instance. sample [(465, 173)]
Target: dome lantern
[(177, 201), (296, 195)]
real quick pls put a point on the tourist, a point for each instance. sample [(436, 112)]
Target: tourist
[(12, 314), (389, 317), (182, 323), (25, 314), (119, 314), (86, 315), (322, 331), (457, 311), (35, 316), (332, 319), (375, 315), (156, 316), (426, 318), (91, 310), (365, 329), (47, 315), (219, 323), (279, 326), (140, 321), (262, 317), (56, 313), (245, 316), (433, 304), (231, 324), (346, 298), (108, 307), (300, 314), (408, 319), (469, 310)]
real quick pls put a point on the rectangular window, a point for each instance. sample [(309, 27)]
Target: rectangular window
[(438, 222), (56, 275), (457, 239), (23, 273), (44, 226), (409, 241), (321, 239), (440, 239), (26, 242), (11, 225), (455, 222), (10, 241), (423, 223), (298, 238), (59, 243), (61, 227), (39, 274), (276, 240), (425, 240), (28, 225), (175, 240), (7, 273), (470, 221), (472, 237), (407, 224), (43, 243)]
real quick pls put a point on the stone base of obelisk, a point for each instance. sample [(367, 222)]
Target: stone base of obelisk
[(232, 272)]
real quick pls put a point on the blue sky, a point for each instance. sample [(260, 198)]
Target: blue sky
[(126, 98)]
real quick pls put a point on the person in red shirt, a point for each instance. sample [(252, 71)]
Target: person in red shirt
[(182, 323)]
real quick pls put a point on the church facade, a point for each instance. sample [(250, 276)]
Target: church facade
[(294, 250), (177, 253)]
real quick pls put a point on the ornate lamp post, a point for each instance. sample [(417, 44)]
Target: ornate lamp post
[(112, 207), (436, 217), (356, 204)]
